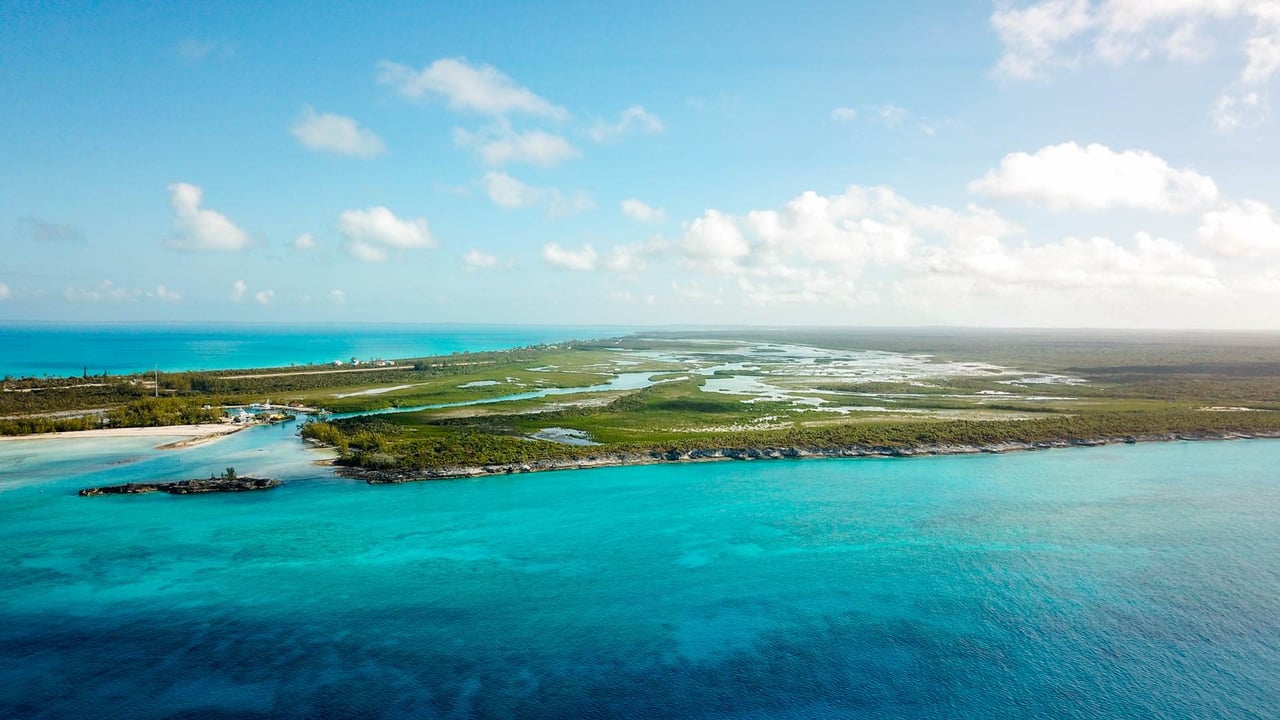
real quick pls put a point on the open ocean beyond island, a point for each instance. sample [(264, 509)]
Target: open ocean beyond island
[(61, 350), (1118, 582)]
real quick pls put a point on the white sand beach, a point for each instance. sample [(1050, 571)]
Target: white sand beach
[(182, 435)]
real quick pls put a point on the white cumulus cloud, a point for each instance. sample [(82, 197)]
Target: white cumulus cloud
[(815, 248), (238, 290), (326, 132), (714, 237), (305, 241), (264, 297), (1095, 177), (197, 229), (371, 234), (338, 297), (5, 292), (1245, 229), (584, 258), (643, 212), (634, 119), (470, 88)]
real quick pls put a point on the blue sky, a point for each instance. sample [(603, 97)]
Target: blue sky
[(1048, 163)]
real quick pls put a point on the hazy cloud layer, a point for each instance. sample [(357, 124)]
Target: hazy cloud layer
[(1047, 35), (45, 231), (107, 291), (466, 87), (508, 192), (499, 144), (633, 120)]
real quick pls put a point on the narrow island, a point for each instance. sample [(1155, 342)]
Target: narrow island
[(229, 481), (689, 396)]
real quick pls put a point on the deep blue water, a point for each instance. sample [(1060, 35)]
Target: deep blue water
[(1118, 582), (61, 350)]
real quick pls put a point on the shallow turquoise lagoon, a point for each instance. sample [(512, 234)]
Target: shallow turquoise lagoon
[(1108, 582), (60, 350)]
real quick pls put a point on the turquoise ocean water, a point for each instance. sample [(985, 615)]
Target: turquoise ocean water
[(1126, 582), (60, 350)]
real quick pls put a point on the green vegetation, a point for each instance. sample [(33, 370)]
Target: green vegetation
[(1144, 386), (716, 391), (37, 405)]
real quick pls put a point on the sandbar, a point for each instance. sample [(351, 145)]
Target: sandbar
[(185, 435)]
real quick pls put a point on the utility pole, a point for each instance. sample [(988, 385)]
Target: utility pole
[(156, 370)]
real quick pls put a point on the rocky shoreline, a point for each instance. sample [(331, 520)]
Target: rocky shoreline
[(185, 487), (617, 459)]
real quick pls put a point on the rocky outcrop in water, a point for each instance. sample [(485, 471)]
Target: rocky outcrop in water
[(186, 487)]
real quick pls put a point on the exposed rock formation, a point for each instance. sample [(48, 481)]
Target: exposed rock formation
[(186, 487)]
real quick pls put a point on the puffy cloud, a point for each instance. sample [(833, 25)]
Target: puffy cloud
[(714, 237), (815, 248), (326, 132), (471, 88), (620, 259), (305, 241), (238, 290), (372, 233), (5, 292), (1050, 34), (634, 119), (584, 258), (859, 227), (264, 297), (380, 225), (508, 192), (48, 232), (1245, 229), (643, 212), (338, 297), (1095, 177), (107, 291), (499, 145), (844, 114), (199, 230), (479, 260)]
